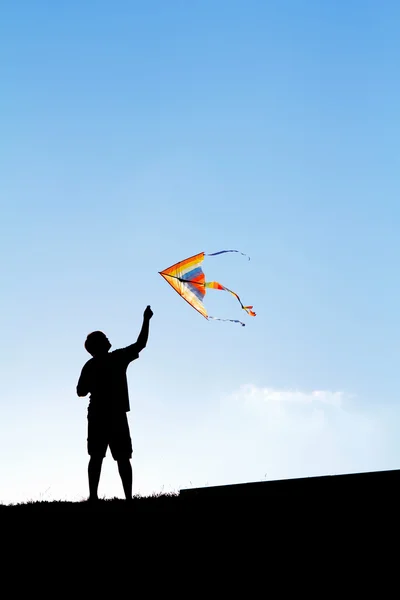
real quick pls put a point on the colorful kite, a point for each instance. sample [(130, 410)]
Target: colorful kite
[(187, 278)]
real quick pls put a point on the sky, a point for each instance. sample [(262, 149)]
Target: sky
[(134, 134)]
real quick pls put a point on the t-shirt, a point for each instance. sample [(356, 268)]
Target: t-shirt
[(104, 377)]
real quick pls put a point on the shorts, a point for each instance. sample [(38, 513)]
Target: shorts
[(109, 430)]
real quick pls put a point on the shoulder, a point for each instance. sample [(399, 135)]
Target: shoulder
[(128, 353), (88, 365)]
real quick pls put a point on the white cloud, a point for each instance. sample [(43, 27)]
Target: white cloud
[(268, 395), (278, 410)]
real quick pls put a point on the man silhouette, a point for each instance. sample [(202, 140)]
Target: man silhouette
[(104, 377)]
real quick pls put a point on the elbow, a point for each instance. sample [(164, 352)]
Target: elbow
[(140, 344)]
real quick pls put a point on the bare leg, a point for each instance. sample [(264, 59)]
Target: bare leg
[(125, 471), (94, 471)]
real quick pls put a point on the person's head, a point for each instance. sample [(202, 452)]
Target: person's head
[(97, 343)]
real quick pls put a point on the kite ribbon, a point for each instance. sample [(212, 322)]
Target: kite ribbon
[(225, 251), (230, 320), (217, 286)]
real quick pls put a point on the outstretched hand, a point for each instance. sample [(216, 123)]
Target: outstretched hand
[(148, 313)]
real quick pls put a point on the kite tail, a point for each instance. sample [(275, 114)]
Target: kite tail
[(230, 320), (224, 252), (217, 286)]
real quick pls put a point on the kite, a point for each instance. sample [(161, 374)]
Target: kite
[(187, 278)]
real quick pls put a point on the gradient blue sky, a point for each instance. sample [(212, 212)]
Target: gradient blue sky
[(134, 134)]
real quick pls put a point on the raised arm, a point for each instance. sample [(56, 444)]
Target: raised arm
[(141, 342)]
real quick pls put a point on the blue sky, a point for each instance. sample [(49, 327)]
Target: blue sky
[(135, 134)]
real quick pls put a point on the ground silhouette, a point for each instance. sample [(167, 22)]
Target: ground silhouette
[(345, 491), (269, 529)]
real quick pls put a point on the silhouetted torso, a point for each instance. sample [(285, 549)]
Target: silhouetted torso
[(104, 377)]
